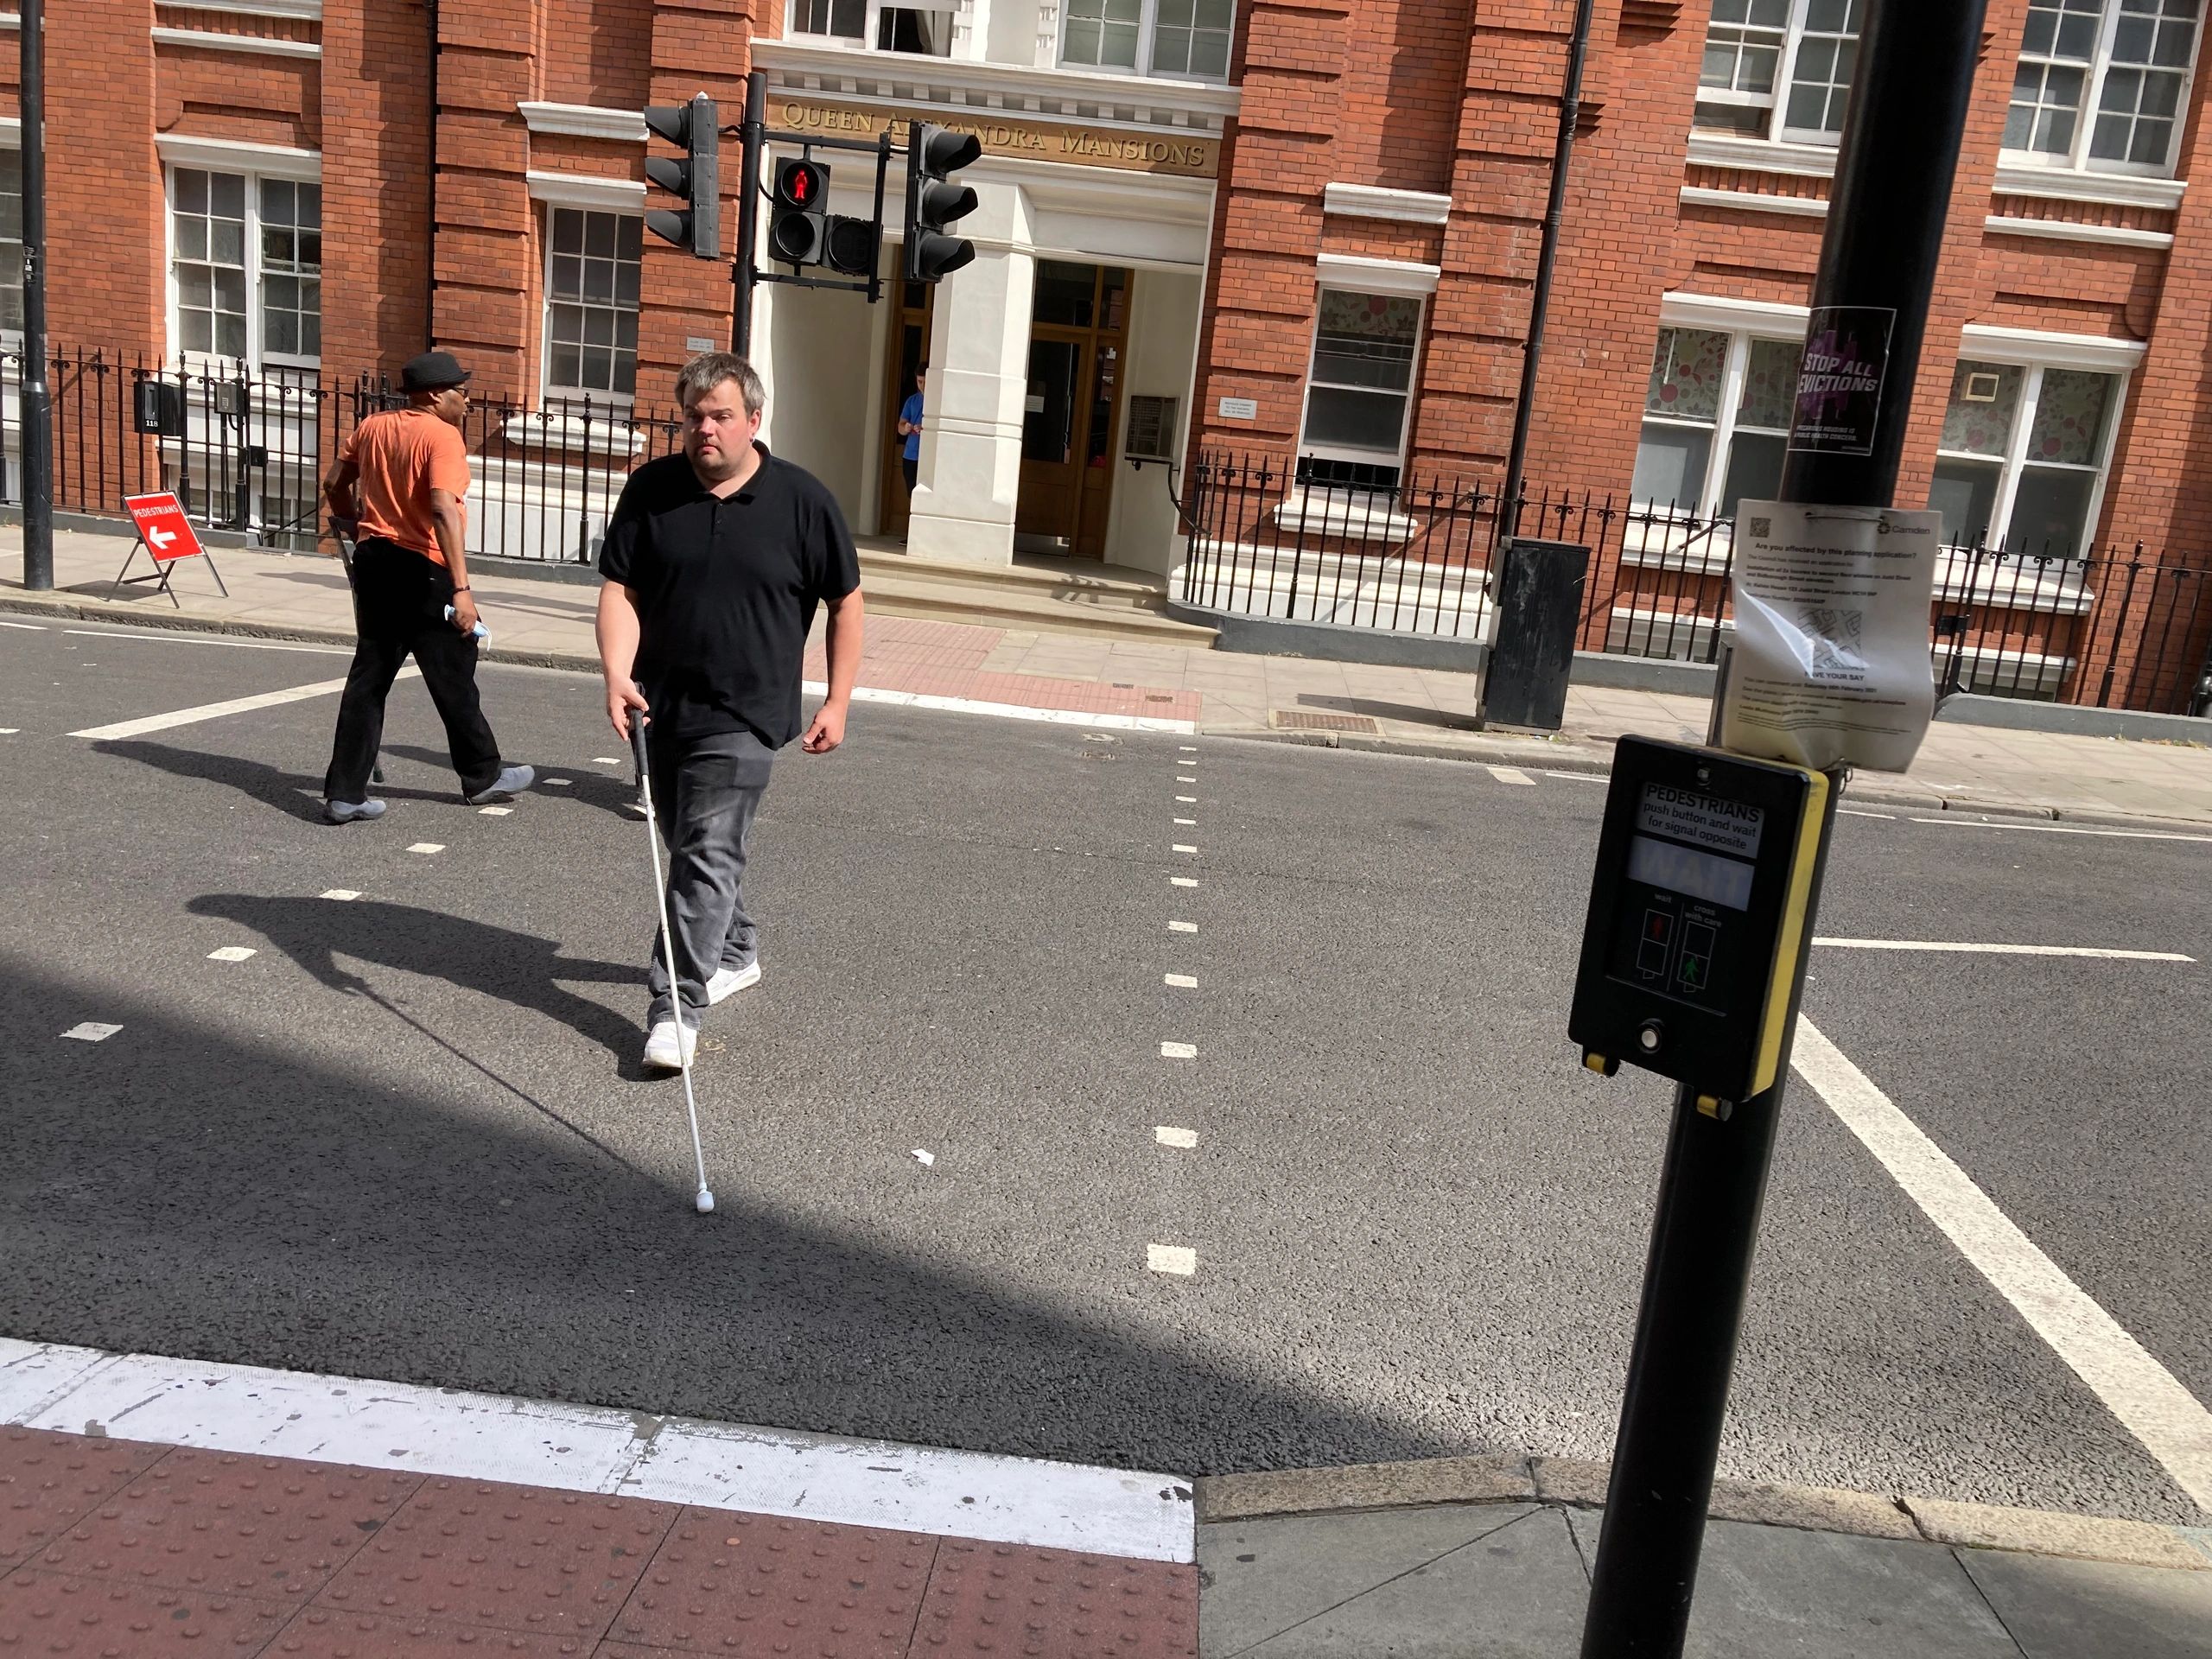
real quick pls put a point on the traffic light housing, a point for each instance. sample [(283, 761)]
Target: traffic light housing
[(798, 226), (933, 201), (693, 128)]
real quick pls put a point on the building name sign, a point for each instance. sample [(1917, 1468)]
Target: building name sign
[(1185, 156)]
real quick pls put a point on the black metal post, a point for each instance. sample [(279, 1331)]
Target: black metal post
[(1885, 236), (1532, 349), (743, 274), (37, 394)]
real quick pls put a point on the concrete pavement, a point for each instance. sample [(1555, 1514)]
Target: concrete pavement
[(1963, 768)]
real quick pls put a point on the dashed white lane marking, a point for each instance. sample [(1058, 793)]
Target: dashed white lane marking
[(28, 627), (1966, 947), (10, 731), (604, 760), (1168, 1135), (1178, 1050), (1182, 927), (1188, 822), (179, 637), (1187, 800), (123, 729), (427, 847), (341, 892), (1170, 1258), (1183, 880), (1598, 777), (231, 953), (2169, 1421), (91, 1031), (1181, 779), (1010, 711), (1861, 812), (556, 783), (253, 1412), (1185, 980), (1183, 847), (1186, 749), (494, 812), (1512, 775), (2064, 829)]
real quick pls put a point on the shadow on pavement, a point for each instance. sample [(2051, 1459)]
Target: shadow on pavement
[(614, 792), (173, 1190), (286, 791)]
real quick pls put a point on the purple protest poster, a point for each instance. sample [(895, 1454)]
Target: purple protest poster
[(1839, 385)]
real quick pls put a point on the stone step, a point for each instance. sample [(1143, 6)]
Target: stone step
[(897, 592)]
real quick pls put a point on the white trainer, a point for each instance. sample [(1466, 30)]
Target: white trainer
[(727, 982), (661, 1053)]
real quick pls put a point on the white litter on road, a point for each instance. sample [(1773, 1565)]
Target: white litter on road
[(1512, 775), (123, 729), (1170, 1258), (1178, 1051), (924, 1158), (255, 1412), (427, 847), (2150, 1402), (1187, 981), (340, 893), (1964, 948), (556, 783), (494, 812), (232, 953), (1168, 1135), (91, 1032)]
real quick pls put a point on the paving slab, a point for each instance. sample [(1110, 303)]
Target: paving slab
[(2096, 1610)]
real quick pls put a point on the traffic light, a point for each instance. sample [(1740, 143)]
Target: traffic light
[(696, 226), (798, 229), (933, 155)]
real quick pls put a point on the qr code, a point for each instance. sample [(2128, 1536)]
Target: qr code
[(1762, 527)]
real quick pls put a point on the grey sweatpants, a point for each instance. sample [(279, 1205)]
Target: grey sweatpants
[(706, 790)]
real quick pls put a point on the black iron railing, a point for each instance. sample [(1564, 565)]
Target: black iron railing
[(245, 450)]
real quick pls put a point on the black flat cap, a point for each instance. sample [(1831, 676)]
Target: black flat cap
[(433, 372)]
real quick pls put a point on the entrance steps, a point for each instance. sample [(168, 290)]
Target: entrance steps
[(1047, 595)]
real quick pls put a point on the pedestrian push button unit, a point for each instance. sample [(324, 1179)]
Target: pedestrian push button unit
[(1699, 912)]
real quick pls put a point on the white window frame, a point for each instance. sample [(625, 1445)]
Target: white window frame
[(1776, 102), (549, 392), (1147, 24), (1390, 279), (11, 139), (871, 27), (2078, 159), (2033, 353), (253, 162), (1743, 322), (592, 196)]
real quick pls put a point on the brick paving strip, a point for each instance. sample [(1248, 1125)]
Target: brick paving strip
[(132, 1548)]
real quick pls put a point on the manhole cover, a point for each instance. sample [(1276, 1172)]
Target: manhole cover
[(1304, 720)]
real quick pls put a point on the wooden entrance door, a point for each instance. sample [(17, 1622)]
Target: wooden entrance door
[(1077, 350)]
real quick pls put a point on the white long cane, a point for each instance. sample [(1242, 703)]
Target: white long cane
[(705, 1201)]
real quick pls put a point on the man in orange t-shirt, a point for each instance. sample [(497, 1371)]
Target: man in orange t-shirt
[(396, 491)]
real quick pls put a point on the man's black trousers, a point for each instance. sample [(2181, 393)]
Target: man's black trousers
[(399, 601)]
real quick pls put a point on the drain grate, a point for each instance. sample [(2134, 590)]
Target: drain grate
[(1304, 720)]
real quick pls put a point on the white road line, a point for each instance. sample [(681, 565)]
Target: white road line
[(2172, 1426), (1191, 823), (91, 1031), (341, 892), (1181, 779), (256, 1412), (1183, 847), (556, 783), (231, 953), (1187, 800), (1598, 777), (1860, 812), (1182, 927), (1168, 1135), (427, 847), (1183, 880), (1010, 711), (1185, 980), (2065, 830), (1512, 775), (1178, 1051), (28, 627), (1186, 749), (10, 731), (494, 812), (1967, 949), (179, 637), (1170, 1258), (215, 710), (604, 760)]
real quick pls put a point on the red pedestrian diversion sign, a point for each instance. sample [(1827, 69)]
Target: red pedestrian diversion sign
[(162, 526)]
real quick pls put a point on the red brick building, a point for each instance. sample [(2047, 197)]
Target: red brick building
[(1299, 229)]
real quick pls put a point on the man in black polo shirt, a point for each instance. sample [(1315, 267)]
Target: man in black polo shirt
[(714, 560)]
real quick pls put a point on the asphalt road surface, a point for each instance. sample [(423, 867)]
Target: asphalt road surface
[(408, 1137)]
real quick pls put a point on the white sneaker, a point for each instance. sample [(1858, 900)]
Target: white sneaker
[(660, 1048), (727, 982)]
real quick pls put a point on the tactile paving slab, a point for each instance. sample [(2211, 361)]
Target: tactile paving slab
[(326, 1633), (1008, 1600), (49, 1480), (474, 1553), (766, 1586), (210, 1521), (56, 1613)]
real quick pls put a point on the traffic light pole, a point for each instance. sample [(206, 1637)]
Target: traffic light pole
[(744, 273), (1885, 236), (37, 398)]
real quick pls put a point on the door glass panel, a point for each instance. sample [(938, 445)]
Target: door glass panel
[(1101, 406), (1048, 415), (1064, 294)]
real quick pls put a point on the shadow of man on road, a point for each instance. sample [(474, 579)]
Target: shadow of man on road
[(287, 792), (499, 963), (610, 791)]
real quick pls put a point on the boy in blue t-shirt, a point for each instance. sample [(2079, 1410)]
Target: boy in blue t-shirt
[(910, 427)]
